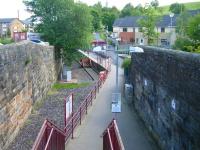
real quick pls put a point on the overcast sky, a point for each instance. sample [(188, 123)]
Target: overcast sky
[(9, 8)]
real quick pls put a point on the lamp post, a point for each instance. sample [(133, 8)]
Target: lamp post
[(171, 16)]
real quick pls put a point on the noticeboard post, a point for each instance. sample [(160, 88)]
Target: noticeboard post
[(68, 107)]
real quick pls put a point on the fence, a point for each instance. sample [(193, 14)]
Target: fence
[(111, 137), (50, 137)]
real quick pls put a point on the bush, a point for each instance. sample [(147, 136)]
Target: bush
[(126, 63), (182, 44)]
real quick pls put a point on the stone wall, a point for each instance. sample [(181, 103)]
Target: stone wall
[(27, 71), (167, 96)]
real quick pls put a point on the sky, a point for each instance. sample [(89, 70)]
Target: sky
[(9, 8)]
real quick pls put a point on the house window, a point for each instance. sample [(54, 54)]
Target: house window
[(4, 25), (142, 40), (124, 29), (162, 30), (133, 29), (164, 42)]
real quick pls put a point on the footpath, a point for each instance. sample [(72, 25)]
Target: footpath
[(88, 135)]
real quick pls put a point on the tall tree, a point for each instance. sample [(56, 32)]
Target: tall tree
[(108, 16), (127, 10), (182, 23), (148, 24), (63, 23), (177, 8)]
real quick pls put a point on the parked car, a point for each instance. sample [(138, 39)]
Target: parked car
[(40, 42)]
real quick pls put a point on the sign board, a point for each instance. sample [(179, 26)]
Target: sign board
[(68, 106), (116, 97), (116, 107), (116, 103)]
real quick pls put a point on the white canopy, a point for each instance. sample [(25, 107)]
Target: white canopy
[(135, 49)]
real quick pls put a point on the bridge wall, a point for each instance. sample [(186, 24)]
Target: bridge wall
[(167, 96), (27, 71)]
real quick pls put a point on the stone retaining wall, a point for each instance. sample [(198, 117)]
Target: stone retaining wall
[(167, 96), (27, 71)]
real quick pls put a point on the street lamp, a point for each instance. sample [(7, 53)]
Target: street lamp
[(171, 16)]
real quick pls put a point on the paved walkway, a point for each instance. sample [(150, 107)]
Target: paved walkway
[(88, 135)]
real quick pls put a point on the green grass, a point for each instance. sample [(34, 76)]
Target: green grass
[(6, 41), (188, 6), (58, 86)]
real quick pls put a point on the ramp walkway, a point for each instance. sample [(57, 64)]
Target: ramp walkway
[(88, 136)]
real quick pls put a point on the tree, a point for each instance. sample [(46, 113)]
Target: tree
[(108, 16), (63, 23), (148, 24), (155, 3), (191, 40), (129, 10), (177, 8), (193, 30), (182, 23)]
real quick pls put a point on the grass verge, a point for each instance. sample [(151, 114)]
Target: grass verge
[(58, 86)]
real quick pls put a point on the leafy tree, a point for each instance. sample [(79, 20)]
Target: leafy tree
[(108, 17), (177, 8), (63, 23), (127, 10), (182, 23), (191, 40), (148, 24), (155, 3), (96, 19), (193, 30)]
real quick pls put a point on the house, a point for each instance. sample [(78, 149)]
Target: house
[(129, 31), (10, 25)]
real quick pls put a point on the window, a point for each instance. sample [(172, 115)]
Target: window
[(142, 40), (124, 29), (163, 30), (133, 29), (164, 42), (4, 25)]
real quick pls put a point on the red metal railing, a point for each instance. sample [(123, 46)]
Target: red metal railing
[(111, 137), (50, 137), (77, 117)]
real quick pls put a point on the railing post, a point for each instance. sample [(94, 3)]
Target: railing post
[(80, 114), (95, 92), (91, 97), (86, 105), (72, 126)]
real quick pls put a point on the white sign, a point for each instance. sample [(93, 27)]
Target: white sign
[(116, 97), (69, 75), (116, 107), (68, 106)]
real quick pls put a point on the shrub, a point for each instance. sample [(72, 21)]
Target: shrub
[(126, 63)]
